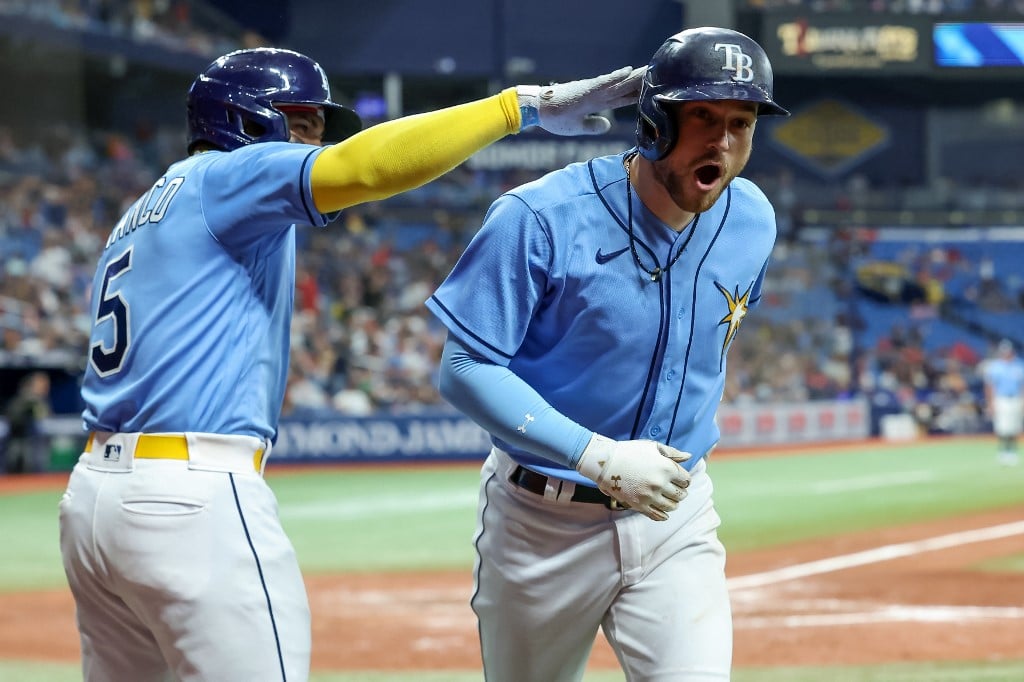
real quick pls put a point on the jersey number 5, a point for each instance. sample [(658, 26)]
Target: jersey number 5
[(106, 361)]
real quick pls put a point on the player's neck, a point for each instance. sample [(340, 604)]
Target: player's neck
[(655, 197)]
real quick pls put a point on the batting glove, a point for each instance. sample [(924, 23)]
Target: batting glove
[(640, 474), (570, 108)]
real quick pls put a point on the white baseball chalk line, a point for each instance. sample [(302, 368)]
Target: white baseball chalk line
[(867, 614), (888, 613), (871, 556)]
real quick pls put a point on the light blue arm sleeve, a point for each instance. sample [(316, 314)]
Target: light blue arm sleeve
[(507, 407)]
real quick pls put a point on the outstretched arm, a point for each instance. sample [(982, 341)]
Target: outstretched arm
[(405, 153)]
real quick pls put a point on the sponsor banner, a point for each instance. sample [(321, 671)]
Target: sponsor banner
[(454, 437), (830, 136), (979, 45), (543, 153), (373, 439), (846, 42), (799, 423)]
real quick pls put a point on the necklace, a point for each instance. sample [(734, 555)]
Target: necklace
[(658, 271)]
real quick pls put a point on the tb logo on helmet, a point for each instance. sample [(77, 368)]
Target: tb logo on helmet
[(688, 68), (737, 60)]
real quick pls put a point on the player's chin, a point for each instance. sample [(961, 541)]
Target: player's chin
[(699, 201)]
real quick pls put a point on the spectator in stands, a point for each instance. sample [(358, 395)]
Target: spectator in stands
[(1004, 399), (990, 293), (26, 449)]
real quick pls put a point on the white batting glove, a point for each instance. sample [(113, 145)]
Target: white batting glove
[(571, 108), (641, 474)]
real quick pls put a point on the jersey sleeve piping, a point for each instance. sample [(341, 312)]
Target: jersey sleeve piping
[(464, 331), (202, 203), (306, 192)]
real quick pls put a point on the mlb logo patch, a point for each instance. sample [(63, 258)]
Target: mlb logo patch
[(112, 453)]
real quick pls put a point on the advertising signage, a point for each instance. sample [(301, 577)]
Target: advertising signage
[(845, 43), (979, 45)]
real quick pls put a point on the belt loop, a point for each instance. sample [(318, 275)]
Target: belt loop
[(552, 489), (262, 455), (568, 489)]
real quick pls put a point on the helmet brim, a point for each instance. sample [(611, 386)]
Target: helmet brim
[(723, 91), (340, 122)]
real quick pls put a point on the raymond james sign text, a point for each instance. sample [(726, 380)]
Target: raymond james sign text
[(852, 43), (378, 439)]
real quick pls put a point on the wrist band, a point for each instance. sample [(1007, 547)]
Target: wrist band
[(530, 116)]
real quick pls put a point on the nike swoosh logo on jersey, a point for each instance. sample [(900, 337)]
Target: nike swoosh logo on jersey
[(603, 258)]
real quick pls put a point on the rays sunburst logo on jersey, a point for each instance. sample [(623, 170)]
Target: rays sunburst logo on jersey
[(737, 304)]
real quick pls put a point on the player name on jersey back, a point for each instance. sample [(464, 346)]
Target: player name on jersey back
[(150, 208)]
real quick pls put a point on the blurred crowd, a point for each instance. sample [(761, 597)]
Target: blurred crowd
[(931, 7), (814, 338), (364, 343), (176, 25)]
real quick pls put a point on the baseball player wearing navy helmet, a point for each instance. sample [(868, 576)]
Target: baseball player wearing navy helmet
[(170, 537), (589, 322)]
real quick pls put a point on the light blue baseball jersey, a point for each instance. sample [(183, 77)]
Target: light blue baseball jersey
[(192, 298), (1006, 376), (550, 288)]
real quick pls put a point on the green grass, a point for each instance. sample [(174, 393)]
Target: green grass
[(770, 501), (1008, 671), (363, 520), (1007, 564), (30, 549)]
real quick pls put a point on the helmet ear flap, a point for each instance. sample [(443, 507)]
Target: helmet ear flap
[(656, 131)]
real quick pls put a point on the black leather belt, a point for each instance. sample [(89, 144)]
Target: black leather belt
[(538, 483)]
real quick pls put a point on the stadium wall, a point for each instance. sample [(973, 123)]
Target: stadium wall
[(452, 437)]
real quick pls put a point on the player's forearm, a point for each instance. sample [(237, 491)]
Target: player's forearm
[(507, 407), (403, 154)]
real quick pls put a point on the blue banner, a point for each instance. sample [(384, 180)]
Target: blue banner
[(979, 44), (380, 439)]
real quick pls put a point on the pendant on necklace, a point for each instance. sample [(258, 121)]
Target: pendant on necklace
[(655, 274)]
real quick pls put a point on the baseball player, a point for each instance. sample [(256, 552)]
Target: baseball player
[(1004, 399), (170, 537), (589, 321)]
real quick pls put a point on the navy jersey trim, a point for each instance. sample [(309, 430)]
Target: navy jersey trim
[(315, 217), (466, 330), (477, 569), (259, 569), (622, 226), (693, 307), (660, 340)]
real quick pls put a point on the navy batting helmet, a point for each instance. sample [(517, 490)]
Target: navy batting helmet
[(700, 64), (232, 103)]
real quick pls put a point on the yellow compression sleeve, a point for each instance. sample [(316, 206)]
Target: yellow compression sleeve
[(403, 154)]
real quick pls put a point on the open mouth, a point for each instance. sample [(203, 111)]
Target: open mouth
[(708, 175)]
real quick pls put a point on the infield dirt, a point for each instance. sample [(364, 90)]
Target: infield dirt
[(928, 606)]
